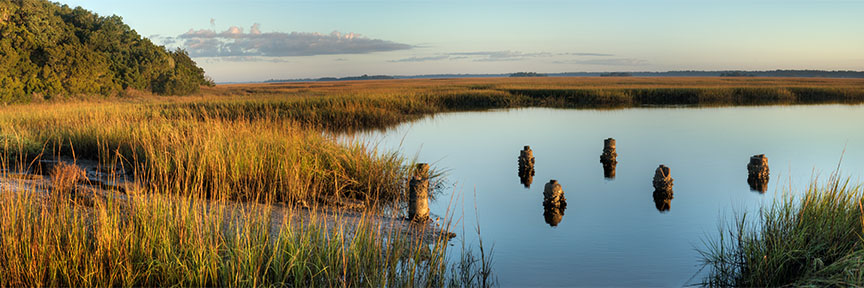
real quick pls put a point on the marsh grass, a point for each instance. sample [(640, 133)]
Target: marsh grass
[(351, 105), (192, 157), (242, 159), (165, 236), (808, 240)]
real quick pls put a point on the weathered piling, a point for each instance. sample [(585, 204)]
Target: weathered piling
[(609, 153), (554, 203), (553, 195), (418, 194), (609, 158), (663, 183), (663, 180), (526, 166), (758, 173)]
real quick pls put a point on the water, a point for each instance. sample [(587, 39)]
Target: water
[(611, 233)]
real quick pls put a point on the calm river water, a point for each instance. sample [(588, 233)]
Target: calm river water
[(612, 233)]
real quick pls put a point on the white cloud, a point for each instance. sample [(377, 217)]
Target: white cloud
[(235, 42)]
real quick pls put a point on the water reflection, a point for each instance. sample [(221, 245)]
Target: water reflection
[(609, 158), (609, 170), (662, 201), (526, 166), (757, 184), (553, 215), (758, 173), (618, 230)]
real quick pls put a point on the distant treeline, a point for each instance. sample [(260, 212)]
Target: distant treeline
[(49, 50), (742, 73), (363, 77), (687, 73), (527, 74), (616, 74)]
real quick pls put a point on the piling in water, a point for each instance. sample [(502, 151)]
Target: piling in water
[(609, 158), (526, 166), (663, 180), (554, 203), (418, 194), (663, 188), (758, 173), (553, 195)]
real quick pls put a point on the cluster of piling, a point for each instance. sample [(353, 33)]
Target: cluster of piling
[(418, 194), (758, 173), (526, 166), (609, 158), (554, 203)]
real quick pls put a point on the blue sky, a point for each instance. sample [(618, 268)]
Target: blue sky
[(259, 40)]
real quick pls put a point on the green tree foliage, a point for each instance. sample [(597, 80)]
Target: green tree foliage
[(50, 50), (184, 79)]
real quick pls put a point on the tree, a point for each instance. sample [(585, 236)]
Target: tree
[(48, 50)]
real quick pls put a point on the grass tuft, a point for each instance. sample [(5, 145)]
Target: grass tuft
[(811, 240)]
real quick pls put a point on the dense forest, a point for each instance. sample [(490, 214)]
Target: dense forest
[(48, 50)]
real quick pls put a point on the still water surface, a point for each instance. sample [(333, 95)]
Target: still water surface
[(612, 233)]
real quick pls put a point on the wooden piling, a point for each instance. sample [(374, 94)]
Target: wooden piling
[(758, 173), (418, 194), (663, 182), (609, 158), (553, 195), (526, 166)]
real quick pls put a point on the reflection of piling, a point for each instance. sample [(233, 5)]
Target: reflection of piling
[(418, 194), (663, 188), (554, 203), (526, 166), (553, 215), (758, 173), (609, 158), (663, 204)]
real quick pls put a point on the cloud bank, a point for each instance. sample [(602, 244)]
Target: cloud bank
[(234, 42)]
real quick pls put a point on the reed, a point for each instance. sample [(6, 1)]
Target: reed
[(242, 159), (201, 161), (811, 240), (169, 235)]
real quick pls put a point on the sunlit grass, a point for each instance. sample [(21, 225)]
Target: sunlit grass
[(200, 162), (811, 240), (162, 235)]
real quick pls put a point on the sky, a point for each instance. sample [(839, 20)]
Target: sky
[(238, 41)]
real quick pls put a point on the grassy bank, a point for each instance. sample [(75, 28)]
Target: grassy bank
[(255, 141), (169, 237), (267, 144), (351, 105), (811, 240), (264, 159)]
